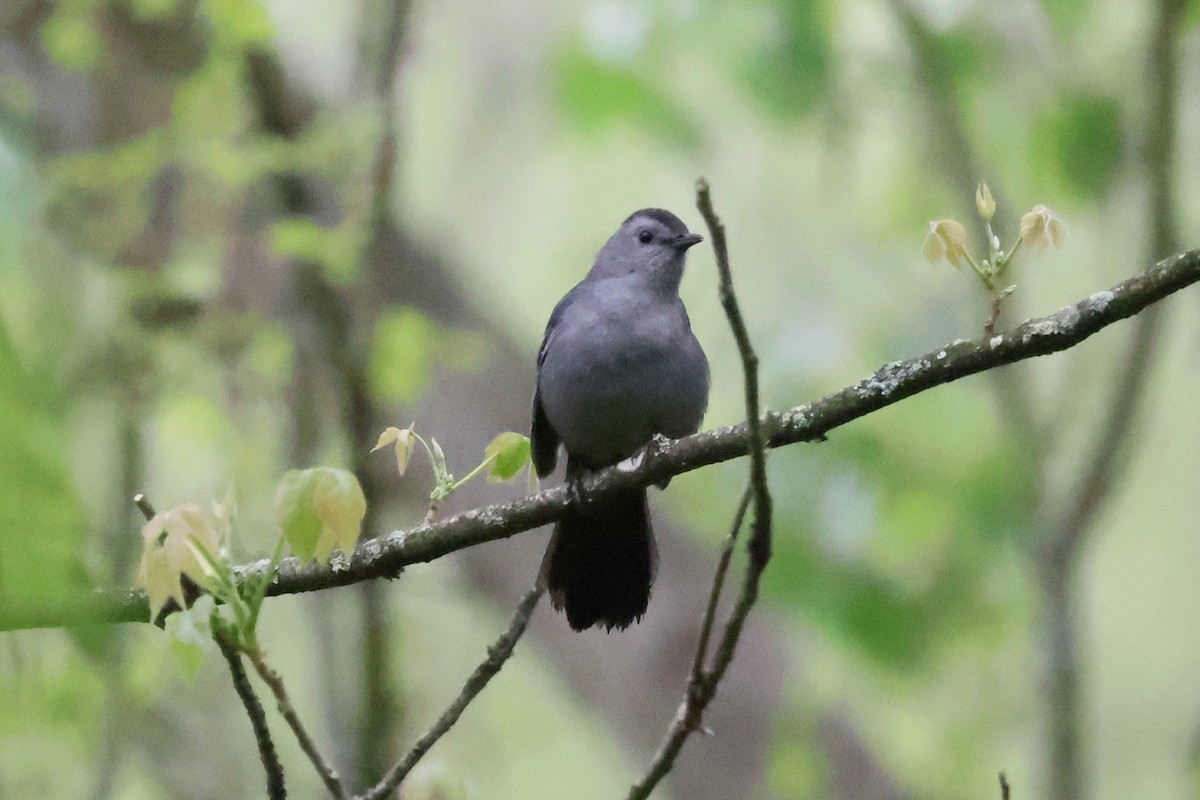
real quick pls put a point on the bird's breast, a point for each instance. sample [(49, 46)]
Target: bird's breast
[(614, 377)]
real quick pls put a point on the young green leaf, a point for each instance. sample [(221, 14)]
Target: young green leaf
[(439, 458), (339, 503), (509, 452), (320, 510), (404, 440)]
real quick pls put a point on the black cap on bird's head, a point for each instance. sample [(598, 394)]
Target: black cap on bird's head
[(652, 242)]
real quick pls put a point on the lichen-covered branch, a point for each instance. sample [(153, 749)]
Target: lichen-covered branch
[(387, 555)]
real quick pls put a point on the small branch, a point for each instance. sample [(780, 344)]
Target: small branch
[(1005, 791), (714, 596), (702, 686), (760, 529), (143, 505), (275, 683), (258, 719), (1069, 532), (498, 653), (387, 555), (689, 716)]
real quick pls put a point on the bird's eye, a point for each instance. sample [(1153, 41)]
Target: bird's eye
[(645, 236)]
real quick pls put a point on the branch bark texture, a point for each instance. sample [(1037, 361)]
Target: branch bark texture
[(386, 556)]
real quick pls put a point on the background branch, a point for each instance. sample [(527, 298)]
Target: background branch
[(387, 555), (498, 653), (274, 682), (1069, 531)]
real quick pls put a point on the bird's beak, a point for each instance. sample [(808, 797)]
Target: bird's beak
[(687, 240)]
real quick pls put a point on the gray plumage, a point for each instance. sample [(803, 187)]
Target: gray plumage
[(618, 364)]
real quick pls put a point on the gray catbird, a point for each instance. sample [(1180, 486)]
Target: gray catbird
[(618, 364)]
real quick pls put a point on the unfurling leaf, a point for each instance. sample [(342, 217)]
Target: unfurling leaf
[(947, 239), (1041, 227), (173, 543), (439, 458), (985, 204), (404, 440), (509, 453), (320, 510)]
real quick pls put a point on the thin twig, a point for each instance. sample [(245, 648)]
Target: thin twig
[(143, 506), (714, 595), (245, 692), (760, 527), (702, 686), (387, 555), (258, 718), (498, 653), (688, 717), (274, 682), (1005, 791)]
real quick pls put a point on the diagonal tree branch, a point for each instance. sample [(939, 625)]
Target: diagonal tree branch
[(498, 653), (386, 556)]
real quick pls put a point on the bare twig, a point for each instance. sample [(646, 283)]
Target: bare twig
[(702, 686), (689, 716), (387, 555), (258, 718), (274, 682), (1005, 791), (760, 528), (714, 595), (498, 653), (143, 506)]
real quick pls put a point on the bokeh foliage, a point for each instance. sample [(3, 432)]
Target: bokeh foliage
[(151, 236)]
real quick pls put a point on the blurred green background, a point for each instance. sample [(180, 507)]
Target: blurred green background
[(238, 237)]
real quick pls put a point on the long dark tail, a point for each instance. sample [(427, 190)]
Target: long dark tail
[(601, 562)]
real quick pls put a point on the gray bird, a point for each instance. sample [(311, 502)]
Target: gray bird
[(618, 364)]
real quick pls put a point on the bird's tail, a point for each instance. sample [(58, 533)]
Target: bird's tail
[(601, 562)]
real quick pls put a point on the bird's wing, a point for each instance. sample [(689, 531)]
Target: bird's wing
[(543, 437)]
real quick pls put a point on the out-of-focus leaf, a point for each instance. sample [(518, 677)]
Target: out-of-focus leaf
[(791, 72), (511, 451), (964, 55), (71, 37), (401, 355), (405, 347), (850, 601), (335, 249), (320, 510), (1079, 143), (596, 95), (240, 22), (41, 523), (1067, 15)]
